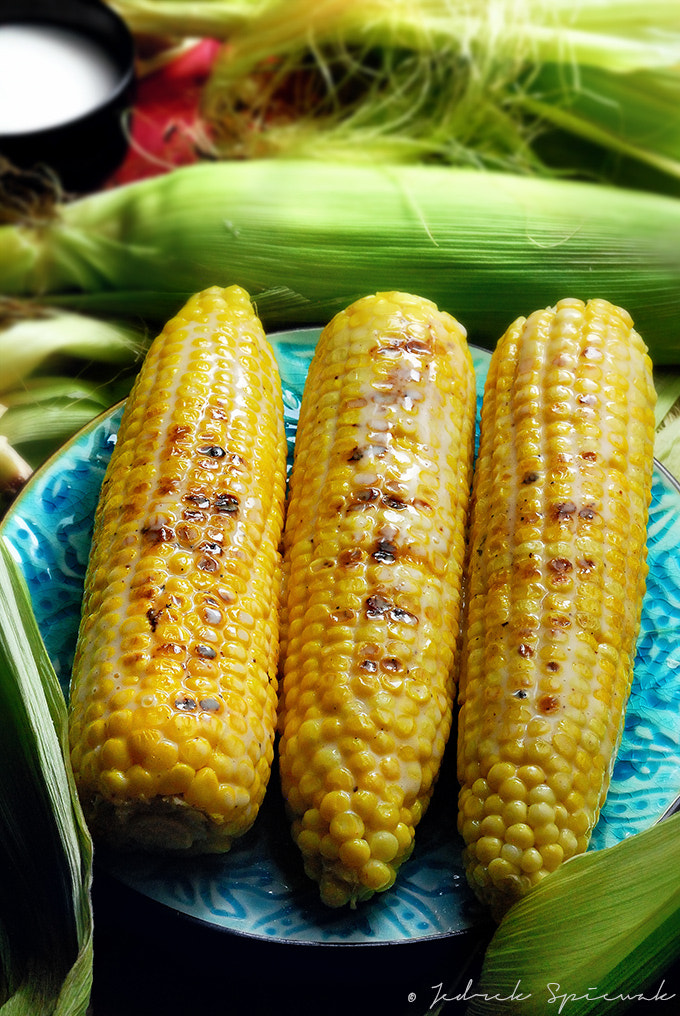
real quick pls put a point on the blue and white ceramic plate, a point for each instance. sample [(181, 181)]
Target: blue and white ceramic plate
[(259, 889)]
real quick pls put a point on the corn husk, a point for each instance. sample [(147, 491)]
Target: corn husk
[(46, 917), (306, 239)]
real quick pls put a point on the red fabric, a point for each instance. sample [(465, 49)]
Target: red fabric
[(166, 125)]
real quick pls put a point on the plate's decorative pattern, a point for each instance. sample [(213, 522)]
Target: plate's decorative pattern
[(258, 889), (646, 777)]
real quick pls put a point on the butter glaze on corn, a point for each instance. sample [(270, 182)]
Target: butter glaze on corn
[(557, 573), (173, 695), (373, 558)]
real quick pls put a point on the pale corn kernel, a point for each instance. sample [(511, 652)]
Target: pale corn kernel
[(115, 754), (114, 783), (512, 854), (354, 853), (120, 722), (384, 846), (175, 780), (308, 841), (514, 812), (377, 875), (469, 828), (520, 835), (488, 847), (492, 825), (531, 861), (493, 805), (329, 847), (196, 752), (540, 814)]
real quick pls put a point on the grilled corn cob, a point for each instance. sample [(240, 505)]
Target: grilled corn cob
[(373, 559), (557, 570), (174, 686)]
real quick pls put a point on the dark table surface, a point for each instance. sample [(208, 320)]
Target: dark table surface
[(151, 960)]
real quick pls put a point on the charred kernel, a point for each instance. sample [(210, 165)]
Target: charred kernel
[(185, 703), (226, 503), (349, 557), (197, 500), (377, 606), (548, 703), (207, 564), (206, 652), (403, 616), (564, 511), (385, 552), (367, 494), (560, 565), (397, 503), (210, 705), (158, 534), (210, 547), (153, 617), (214, 451)]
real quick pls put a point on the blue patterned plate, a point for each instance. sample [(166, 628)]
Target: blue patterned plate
[(258, 889)]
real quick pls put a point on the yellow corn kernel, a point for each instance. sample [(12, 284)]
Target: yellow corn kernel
[(174, 683), (373, 559), (556, 574)]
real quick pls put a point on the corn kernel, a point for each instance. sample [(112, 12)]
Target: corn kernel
[(354, 853)]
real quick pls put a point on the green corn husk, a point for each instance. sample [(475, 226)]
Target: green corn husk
[(188, 18), (42, 340), (58, 370), (39, 417), (46, 917), (621, 127), (306, 239), (625, 902), (486, 80)]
